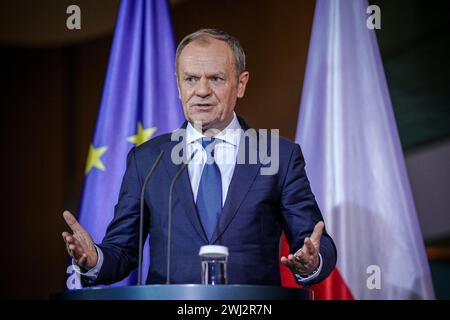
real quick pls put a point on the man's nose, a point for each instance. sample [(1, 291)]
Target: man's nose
[(203, 88)]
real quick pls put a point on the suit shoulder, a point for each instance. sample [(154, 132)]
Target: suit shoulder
[(153, 144), (285, 144)]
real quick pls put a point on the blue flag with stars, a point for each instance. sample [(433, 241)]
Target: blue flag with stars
[(140, 100)]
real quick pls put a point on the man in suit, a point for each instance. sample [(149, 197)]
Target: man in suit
[(217, 200)]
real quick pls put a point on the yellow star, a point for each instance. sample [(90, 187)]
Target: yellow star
[(94, 160), (142, 135)]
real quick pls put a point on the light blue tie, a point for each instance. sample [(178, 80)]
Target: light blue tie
[(209, 195)]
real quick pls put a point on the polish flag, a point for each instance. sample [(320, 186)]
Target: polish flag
[(355, 163)]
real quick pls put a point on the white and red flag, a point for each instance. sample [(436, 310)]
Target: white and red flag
[(355, 163)]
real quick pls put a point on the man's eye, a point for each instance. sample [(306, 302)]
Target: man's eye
[(217, 79), (190, 79)]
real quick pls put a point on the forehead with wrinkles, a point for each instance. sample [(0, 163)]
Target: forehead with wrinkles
[(206, 55)]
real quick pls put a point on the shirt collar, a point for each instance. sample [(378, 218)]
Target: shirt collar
[(231, 134)]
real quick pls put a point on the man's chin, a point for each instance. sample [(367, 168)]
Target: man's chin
[(201, 122)]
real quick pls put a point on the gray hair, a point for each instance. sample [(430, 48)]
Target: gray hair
[(233, 43)]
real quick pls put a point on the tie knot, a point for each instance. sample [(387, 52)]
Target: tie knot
[(207, 141), (208, 146)]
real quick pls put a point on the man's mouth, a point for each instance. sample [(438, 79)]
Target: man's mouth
[(202, 106)]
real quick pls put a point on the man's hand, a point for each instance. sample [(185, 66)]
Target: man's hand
[(306, 260), (79, 245)]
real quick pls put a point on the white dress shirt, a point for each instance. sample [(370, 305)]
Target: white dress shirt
[(226, 149)]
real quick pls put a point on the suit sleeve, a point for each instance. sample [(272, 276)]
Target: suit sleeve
[(301, 213), (120, 245)]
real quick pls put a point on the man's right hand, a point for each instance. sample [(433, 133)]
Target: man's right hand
[(79, 244)]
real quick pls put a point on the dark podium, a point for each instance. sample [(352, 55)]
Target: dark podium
[(188, 292)]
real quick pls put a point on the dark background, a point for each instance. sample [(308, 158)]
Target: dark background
[(51, 82)]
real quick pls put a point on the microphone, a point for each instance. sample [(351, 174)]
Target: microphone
[(169, 217), (141, 215)]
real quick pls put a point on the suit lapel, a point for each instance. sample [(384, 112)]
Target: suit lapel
[(241, 182), (182, 188), (243, 177)]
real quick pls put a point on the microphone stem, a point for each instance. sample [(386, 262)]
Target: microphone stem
[(141, 216), (169, 218)]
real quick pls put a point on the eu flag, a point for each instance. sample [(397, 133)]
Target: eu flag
[(140, 100)]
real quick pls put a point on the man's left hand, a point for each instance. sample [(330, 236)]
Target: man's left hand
[(306, 260)]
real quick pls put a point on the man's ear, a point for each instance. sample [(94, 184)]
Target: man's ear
[(243, 79)]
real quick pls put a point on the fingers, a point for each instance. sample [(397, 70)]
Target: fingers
[(305, 260), (309, 247), (318, 231), (299, 255), (74, 247), (64, 235), (289, 261), (294, 265), (303, 257), (72, 222)]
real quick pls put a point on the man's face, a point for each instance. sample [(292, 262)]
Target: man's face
[(207, 83)]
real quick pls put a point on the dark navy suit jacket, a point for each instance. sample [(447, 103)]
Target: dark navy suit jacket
[(256, 211)]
